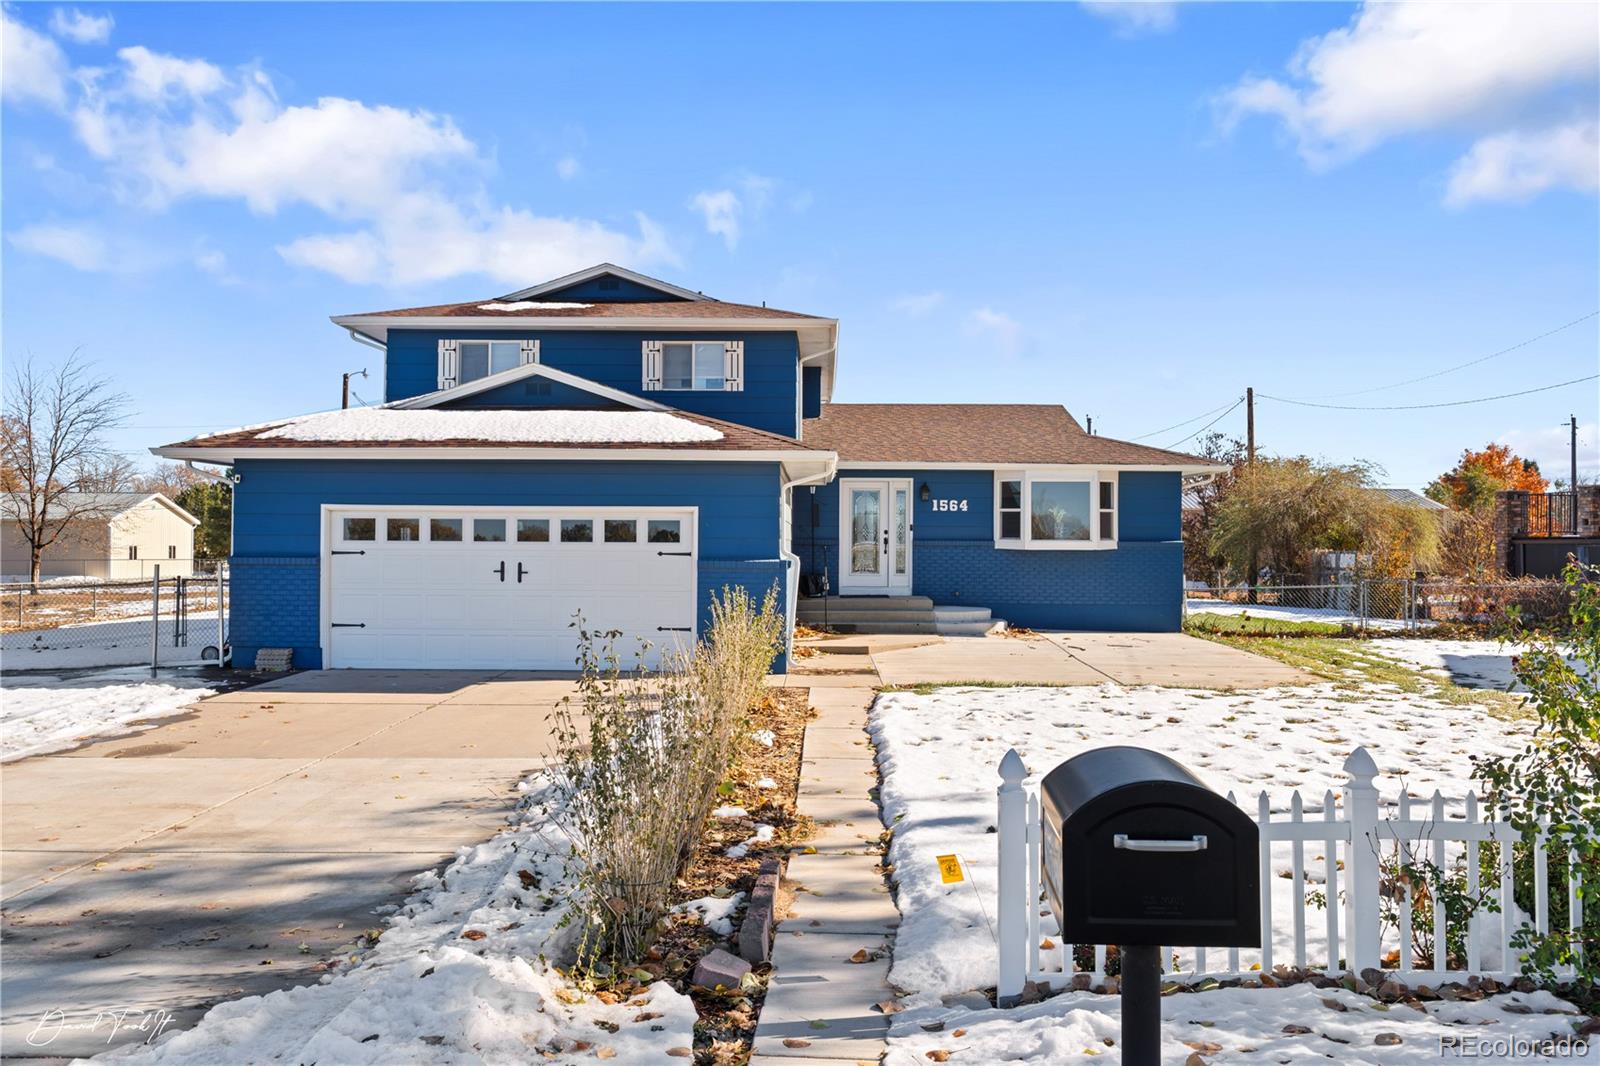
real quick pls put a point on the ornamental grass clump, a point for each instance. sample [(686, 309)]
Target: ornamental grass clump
[(640, 756)]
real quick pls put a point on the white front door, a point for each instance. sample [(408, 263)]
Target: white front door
[(875, 536), (499, 588)]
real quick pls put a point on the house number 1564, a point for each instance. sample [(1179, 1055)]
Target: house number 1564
[(949, 505)]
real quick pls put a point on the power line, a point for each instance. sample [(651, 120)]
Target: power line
[(1473, 362), (1179, 425), (1425, 406), (1209, 424)]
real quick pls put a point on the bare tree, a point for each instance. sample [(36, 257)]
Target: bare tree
[(170, 479), (110, 472), (54, 429)]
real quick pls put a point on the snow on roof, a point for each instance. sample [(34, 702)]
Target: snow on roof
[(533, 305), (377, 424)]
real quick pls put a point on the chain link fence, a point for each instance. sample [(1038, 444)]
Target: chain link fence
[(1384, 603), (71, 623)]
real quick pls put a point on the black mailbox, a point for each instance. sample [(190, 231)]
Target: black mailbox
[(1138, 851)]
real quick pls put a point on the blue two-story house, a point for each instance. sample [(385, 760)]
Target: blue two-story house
[(612, 445)]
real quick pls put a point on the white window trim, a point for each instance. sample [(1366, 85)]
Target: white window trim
[(655, 376), (1093, 478), (450, 358)]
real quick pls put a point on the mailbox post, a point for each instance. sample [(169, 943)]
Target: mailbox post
[(1138, 852)]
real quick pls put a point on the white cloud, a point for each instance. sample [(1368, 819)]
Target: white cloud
[(403, 187), (999, 329), (1551, 447), (1421, 66), (81, 28), (721, 209), (1518, 166), (155, 75), (1135, 16), (725, 211), (77, 246), (917, 304), (568, 167), (33, 69)]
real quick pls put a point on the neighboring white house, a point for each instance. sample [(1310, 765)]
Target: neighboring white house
[(123, 535)]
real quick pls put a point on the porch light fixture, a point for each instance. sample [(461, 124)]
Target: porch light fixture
[(926, 493)]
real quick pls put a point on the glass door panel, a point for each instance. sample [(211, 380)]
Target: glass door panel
[(866, 529), (901, 496)]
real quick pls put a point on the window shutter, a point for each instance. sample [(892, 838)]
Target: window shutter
[(448, 364), (530, 352), (733, 366), (652, 365)]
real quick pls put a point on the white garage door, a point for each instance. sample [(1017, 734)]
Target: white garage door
[(499, 588)]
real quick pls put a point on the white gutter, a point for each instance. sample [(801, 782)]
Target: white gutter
[(363, 339), (228, 456), (791, 599)]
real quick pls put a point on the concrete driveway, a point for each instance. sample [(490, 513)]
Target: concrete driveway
[(229, 850)]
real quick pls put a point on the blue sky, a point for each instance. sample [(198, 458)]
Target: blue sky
[(1136, 211)]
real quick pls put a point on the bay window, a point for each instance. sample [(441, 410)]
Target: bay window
[(1043, 509)]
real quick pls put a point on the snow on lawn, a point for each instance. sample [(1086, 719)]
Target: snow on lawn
[(110, 643), (40, 713), (458, 977), (1331, 615), (1241, 1025), (1468, 663), (938, 755)]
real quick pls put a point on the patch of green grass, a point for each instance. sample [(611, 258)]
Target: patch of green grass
[(1205, 623), (1351, 664)]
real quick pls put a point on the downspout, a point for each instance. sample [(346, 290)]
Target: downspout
[(791, 598)]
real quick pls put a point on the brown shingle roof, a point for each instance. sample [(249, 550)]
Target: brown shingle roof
[(999, 433), (734, 438), (666, 309)]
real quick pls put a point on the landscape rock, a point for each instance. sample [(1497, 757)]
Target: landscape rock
[(720, 968), (1372, 976), (1391, 990), (973, 1000), (1387, 1039)]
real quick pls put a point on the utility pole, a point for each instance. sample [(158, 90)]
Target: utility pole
[(344, 404), (1572, 421), (1250, 465)]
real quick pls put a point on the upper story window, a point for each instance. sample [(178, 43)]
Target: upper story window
[(1046, 510), (697, 366), (461, 361)]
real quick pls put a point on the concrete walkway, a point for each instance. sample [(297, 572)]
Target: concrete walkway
[(1172, 659), (189, 863), (821, 1005)]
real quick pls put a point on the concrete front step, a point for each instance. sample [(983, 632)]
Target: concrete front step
[(972, 629), (896, 614)]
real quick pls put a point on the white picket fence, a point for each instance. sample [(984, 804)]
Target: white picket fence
[(1354, 837)]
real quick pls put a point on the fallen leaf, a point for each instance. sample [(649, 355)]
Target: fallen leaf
[(795, 1042), (1203, 1045), (474, 934), (679, 1052), (939, 1055), (647, 1016), (605, 1053), (1047, 944), (890, 1006), (959, 1033), (861, 955)]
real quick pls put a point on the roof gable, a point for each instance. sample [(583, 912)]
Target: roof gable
[(594, 283)]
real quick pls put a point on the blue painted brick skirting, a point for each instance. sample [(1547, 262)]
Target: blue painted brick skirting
[(268, 607), (1136, 587)]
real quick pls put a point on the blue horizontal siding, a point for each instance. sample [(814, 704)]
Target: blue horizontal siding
[(768, 400), (277, 522), (1136, 586)]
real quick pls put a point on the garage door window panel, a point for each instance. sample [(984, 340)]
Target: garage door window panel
[(488, 530), (664, 531), (621, 531), (444, 529), (359, 529), (577, 531), (406, 529), (533, 530)]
